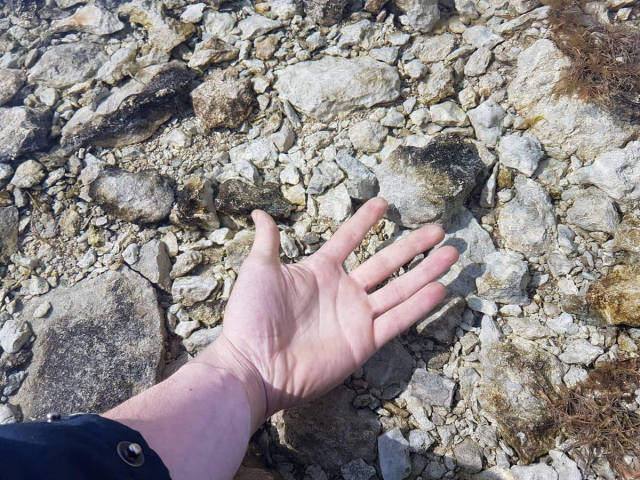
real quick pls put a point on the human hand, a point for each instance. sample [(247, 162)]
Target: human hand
[(293, 332)]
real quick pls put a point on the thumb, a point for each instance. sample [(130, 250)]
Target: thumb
[(267, 242)]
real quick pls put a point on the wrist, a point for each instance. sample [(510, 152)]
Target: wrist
[(223, 355)]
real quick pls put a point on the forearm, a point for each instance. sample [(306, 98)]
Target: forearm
[(198, 421)]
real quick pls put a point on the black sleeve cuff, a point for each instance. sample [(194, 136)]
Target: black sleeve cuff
[(77, 447)]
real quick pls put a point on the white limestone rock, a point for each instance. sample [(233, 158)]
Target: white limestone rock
[(592, 210), (505, 279), (614, 172), (487, 122), (520, 152), (367, 136), (335, 204), (527, 223), (333, 87)]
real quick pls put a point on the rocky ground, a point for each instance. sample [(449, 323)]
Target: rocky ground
[(136, 137)]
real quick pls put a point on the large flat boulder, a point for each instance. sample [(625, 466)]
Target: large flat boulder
[(68, 64), (333, 87), (101, 342), (565, 125), (329, 431)]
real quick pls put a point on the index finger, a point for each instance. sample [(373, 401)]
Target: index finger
[(351, 234)]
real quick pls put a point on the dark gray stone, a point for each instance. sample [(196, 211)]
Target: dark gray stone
[(391, 364), (143, 197), (23, 130), (432, 388), (236, 197), (468, 455), (101, 343), (393, 449), (329, 431), (441, 323), (357, 470)]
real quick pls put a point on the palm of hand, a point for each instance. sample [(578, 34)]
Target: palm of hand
[(306, 327), (318, 328)]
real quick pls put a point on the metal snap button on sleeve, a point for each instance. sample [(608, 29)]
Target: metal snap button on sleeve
[(131, 453), (53, 417)]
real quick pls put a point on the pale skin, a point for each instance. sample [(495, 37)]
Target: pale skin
[(291, 333)]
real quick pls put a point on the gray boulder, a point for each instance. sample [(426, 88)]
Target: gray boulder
[(474, 245), (432, 388), (592, 210), (92, 355), (539, 471), (392, 364), (522, 153), (23, 130), (223, 101), (361, 182), (441, 323), (393, 451), (143, 197), (335, 204), (430, 184), (487, 122), (133, 112), (212, 50), (614, 172), (67, 64), (527, 223), (505, 279), (154, 264), (8, 233), (333, 87), (13, 335), (329, 431), (532, 92), (28, 174), (518, 387), (92, 18), (468, 455), (11, 80)]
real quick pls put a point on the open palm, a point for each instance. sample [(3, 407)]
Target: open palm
[(302, 329)]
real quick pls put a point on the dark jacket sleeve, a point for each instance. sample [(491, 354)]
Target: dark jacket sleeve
[(77, 447)]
